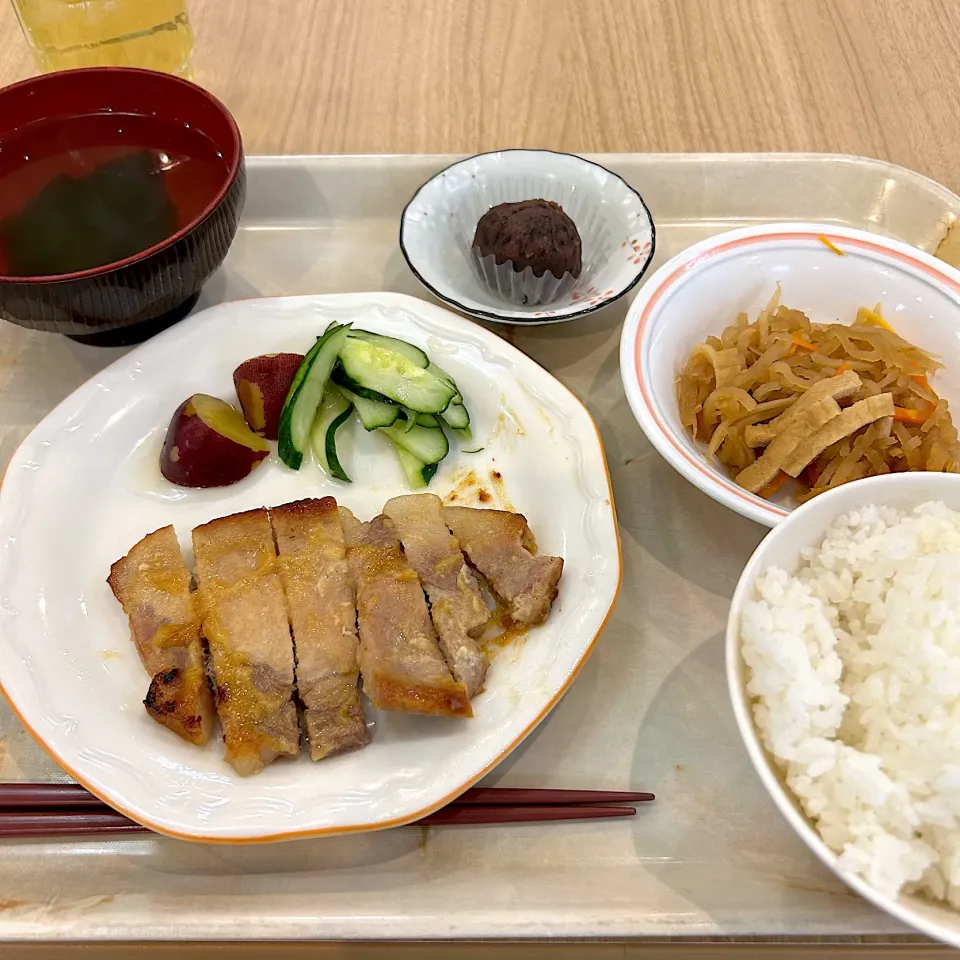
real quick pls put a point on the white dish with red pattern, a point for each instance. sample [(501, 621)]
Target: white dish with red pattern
[(701, 291)]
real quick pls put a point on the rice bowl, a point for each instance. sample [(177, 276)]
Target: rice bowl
[(843, 660)]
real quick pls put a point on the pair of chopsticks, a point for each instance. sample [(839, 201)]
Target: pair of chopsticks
[(43, 810)]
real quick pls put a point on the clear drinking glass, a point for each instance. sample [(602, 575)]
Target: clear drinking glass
[(154, 34)]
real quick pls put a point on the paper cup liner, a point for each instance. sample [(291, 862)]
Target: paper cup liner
[(521, 287)]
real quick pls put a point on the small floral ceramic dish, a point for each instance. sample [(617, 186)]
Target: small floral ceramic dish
[(615, 227)]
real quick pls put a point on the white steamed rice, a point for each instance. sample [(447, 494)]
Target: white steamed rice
[(853, 665)]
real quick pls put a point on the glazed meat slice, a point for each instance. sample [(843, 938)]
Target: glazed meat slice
[(456, 606), (152, 584), (400, 660), (499, 545), (323, 616), (244, 616)]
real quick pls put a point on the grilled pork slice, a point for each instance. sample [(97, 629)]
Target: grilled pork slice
[(456, 606), (323, 615), (152, 584), (400, 660), (499, 545), (244, 617)]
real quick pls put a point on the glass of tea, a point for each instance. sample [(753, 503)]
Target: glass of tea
[(153, 34)]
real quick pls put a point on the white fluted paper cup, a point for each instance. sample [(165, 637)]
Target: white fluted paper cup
[(521, 287), (439, 223)]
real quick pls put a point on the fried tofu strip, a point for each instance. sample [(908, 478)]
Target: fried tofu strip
[(244, 617), (152, 584), (499, 545), (811, 418), (400, 659), (456, 605), (840, 387), (323, 617), (852, 419)]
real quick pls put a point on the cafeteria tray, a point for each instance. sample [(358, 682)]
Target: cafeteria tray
[(712, 857)]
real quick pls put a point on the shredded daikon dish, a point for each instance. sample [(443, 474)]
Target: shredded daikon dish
[(784, 398)]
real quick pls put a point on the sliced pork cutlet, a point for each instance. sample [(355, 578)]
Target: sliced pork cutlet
[(323, 616), (499, 545), (244, 616), (153, 584), (400, 660), (456, 604)]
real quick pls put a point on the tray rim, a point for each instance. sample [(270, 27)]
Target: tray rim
[(700, 156), (13, 930)]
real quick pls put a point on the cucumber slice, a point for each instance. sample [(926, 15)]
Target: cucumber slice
[(428, 420), (425, 443), (306, 392), (411, 419), (373, 367), (442, 374), (457, 397), (414, 354), (456, 416), (418, 473), (372, 413), (334, 412), (408, 418), (340, 378)]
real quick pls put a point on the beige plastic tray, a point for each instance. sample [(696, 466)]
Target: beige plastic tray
[(712, 857)]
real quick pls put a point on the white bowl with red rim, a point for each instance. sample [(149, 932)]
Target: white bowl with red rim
[(784, 548), (825, 271)]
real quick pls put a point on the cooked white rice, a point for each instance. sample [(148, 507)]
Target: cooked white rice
[(854, 669)]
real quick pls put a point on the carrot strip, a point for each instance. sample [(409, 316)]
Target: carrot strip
[(910, 416), (831, 246), (920, 378), (805, 344), (872, 317), (773, 486), (843, 368)]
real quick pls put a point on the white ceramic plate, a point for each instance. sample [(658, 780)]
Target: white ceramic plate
[(85, 486), (438, 224), (782, 548), (702, 289)]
